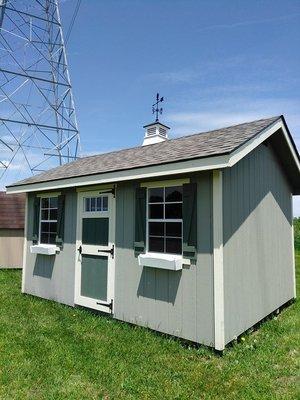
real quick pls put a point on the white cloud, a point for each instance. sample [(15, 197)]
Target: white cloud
[(225, 112), (283, 18), (191, 122), (182, 76), (221, 112)]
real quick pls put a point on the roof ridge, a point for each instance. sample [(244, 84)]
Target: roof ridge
[(182, 137)]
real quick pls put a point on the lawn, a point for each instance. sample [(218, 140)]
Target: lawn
[(51, 351)]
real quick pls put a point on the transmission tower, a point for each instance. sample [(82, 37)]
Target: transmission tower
[(38, 126)]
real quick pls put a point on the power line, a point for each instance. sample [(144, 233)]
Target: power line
[(72, 21)]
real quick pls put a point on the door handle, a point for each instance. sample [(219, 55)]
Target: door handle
[(80, 249)]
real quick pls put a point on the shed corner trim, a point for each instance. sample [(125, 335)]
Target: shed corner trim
[(218, 271)]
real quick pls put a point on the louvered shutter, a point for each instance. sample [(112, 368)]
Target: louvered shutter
[(60, 220), (140, 221), (189, 211), (36, 220)]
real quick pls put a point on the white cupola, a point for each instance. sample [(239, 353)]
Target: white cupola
[(155, 133)]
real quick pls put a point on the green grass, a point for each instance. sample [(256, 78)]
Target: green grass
[(50, 351)]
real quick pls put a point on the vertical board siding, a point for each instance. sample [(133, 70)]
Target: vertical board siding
[(52, 277), (174, 302), (258, 250), (11, 248)]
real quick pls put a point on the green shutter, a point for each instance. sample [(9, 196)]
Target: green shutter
[(36, 220), (189, 211), (60, 220), (140, 220)]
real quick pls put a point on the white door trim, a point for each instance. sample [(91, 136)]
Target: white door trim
[(218, 270), (86, 301)]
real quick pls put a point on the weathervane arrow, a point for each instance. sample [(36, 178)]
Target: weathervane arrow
[(155, 107)]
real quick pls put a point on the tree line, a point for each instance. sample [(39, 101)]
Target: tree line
[(297, 233)]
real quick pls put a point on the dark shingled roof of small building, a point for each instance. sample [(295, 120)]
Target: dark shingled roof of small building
[(200, 145), (12, 211)]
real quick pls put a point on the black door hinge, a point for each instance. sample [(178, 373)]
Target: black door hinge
[(109, 305), (111, 251), (80, 249)]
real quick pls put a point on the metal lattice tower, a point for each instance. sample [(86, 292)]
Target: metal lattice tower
[(38, 127)]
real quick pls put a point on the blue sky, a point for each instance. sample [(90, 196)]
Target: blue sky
[(216, 63)]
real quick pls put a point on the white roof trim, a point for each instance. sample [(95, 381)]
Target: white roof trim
[(175, 168), (251, 144), (181, 167)]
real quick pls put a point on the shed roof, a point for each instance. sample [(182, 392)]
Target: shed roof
[(206, 144), (219, 148), (12, 211)]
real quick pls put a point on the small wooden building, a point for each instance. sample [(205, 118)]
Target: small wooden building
[(12, 214), (192, 236)]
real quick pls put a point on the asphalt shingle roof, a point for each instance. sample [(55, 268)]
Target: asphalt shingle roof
[(200, 145)]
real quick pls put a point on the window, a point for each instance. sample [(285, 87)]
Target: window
[(165, 220), (48, 220), (95, 203)]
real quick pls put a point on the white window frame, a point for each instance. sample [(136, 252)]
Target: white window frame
[(161, 184), (45, 196), (90, 212)]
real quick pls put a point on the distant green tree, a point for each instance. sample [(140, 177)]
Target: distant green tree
[(297, 233)]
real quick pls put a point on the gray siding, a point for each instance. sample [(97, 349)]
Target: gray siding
[(174, 302), (11, 248), (258, 256), (52, 277)]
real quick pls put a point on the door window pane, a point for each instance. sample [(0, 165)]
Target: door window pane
[(95, 231), (99, 204), (104, 203), (87, 204), (95, 204)]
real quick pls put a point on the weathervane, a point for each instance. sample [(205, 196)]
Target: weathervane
[(155, 109)]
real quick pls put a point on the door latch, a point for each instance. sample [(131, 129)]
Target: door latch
[(80, 249), (111, 251)]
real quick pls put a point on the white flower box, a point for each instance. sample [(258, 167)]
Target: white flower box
[(172, 262), (46, 249)]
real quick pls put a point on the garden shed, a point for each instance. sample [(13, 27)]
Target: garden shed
[(12, 217), (191, 236)]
